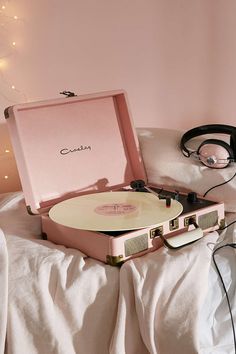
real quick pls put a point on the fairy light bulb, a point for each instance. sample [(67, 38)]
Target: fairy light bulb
[(3, 63), (7, 151), (13, 44), (6, 177)]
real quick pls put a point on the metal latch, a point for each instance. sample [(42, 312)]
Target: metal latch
[(68, 93)]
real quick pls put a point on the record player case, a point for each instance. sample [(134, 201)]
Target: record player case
[(77, 145)]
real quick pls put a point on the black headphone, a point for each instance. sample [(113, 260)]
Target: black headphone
[(213, 153)]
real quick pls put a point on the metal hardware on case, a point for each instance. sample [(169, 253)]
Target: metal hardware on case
[(168, 245), (222, 224), (68, 93), (6, 112), (174, 224), (114, 260), (28, 207), (158, 231), (44, 236), (189, 220)]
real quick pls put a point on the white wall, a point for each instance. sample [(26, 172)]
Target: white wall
[(175, 58), (87, 46)]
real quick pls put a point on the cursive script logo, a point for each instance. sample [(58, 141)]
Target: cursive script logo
[(81, 148)]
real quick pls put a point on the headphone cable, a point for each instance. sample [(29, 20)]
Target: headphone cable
[(233, 245), (225, 227), (218, 185)]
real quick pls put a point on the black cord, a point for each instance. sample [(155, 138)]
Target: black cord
[(218, 185), (225, 227), (233, 245)]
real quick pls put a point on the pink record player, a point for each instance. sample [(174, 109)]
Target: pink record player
[(81, 169)]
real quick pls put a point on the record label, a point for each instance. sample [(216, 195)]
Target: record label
[(115, 209)]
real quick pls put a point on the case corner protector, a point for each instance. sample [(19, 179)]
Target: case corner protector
[(6, 113), (29, 210), (114, 260)]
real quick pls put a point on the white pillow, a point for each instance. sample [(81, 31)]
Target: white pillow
[(166, 166)]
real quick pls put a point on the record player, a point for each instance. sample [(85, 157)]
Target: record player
[(81, 169)]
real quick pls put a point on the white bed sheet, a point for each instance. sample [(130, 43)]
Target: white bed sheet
[(57, 300)]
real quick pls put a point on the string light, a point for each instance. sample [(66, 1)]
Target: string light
[(5, 177), (5, 19), (5, 153), (8, 48), (3, 63), (9, 91), (6, 156)]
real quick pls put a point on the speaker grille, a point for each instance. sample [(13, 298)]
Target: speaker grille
[(136, 244), (208, 220)]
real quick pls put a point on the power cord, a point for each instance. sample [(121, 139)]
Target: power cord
[(225, 227), (232, 245), (218, 185)]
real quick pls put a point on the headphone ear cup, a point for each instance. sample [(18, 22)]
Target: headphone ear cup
[(215, 153)]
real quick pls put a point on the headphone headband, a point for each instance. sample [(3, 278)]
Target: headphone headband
[(209, 129)]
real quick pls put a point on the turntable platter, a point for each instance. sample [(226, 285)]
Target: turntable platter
[(113, 211)]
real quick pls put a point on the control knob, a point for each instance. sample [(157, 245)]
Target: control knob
[(192, 197)]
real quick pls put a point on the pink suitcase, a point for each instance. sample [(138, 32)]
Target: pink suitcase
[(79, 145)]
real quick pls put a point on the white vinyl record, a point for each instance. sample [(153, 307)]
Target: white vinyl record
[(114, 211)]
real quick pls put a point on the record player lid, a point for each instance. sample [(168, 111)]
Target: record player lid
[(72, 146)]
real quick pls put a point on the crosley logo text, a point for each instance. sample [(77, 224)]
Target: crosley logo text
[(81, 148)]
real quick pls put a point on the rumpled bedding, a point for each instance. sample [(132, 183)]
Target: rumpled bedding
[(58, 300)]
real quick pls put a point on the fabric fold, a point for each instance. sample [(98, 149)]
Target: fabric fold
[(167, 290)]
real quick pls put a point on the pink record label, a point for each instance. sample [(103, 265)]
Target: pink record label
[(115, 209)]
